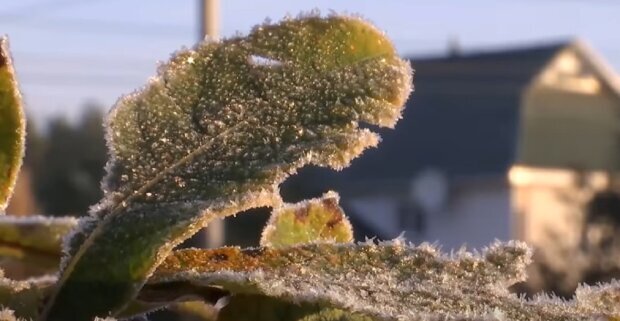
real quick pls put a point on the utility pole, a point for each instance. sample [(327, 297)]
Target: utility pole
[(208, 19), (209, 12)]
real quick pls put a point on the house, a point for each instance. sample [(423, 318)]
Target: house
[(491, 146)]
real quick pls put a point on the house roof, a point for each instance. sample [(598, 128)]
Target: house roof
[(462, 118)]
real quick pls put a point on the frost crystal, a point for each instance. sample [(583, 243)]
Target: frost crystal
[(216, 132)]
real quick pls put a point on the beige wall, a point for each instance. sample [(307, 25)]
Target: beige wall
[(547, 203), (23, 201), (570, 118)]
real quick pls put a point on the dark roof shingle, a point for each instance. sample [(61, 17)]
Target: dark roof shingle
[(462, 118)]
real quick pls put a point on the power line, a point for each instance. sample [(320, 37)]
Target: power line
[(594, 2), (30, 10), (116, 28), (85, 59), (80, 80)]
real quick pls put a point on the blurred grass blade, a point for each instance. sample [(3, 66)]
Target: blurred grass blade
[(215, 133), (34, 240), (316, 220), (12, 126)]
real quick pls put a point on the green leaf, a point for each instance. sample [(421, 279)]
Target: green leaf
[(12, 126), (386, 281), (313, 220), (34, 240), (215, 133)]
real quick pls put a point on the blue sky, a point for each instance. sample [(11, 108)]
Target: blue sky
[(71, 51)]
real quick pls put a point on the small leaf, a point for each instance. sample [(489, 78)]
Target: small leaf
[(12, 126), (386, 281), (215, 133), (34, 240), (318, 219)]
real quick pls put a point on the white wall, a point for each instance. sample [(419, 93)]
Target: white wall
[(474, 216)]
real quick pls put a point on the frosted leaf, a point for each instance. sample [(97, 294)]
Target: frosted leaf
[(215, 133), (387, 281), (33, 240), (313, 220), (12, 126)]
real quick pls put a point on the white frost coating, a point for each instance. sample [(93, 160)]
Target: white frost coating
[(67, 239), (38, 219), (21, 285)]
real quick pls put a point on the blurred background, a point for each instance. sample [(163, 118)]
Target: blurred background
[(513, 131)]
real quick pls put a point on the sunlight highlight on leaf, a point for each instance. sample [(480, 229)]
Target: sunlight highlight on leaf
[(316, 220)]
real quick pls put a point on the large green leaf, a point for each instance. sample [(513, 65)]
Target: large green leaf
[(215, 133), (315, 220), (12, 126), (386, 281)]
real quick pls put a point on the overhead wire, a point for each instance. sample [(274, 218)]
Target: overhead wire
[(116, 28), (29, 10)]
